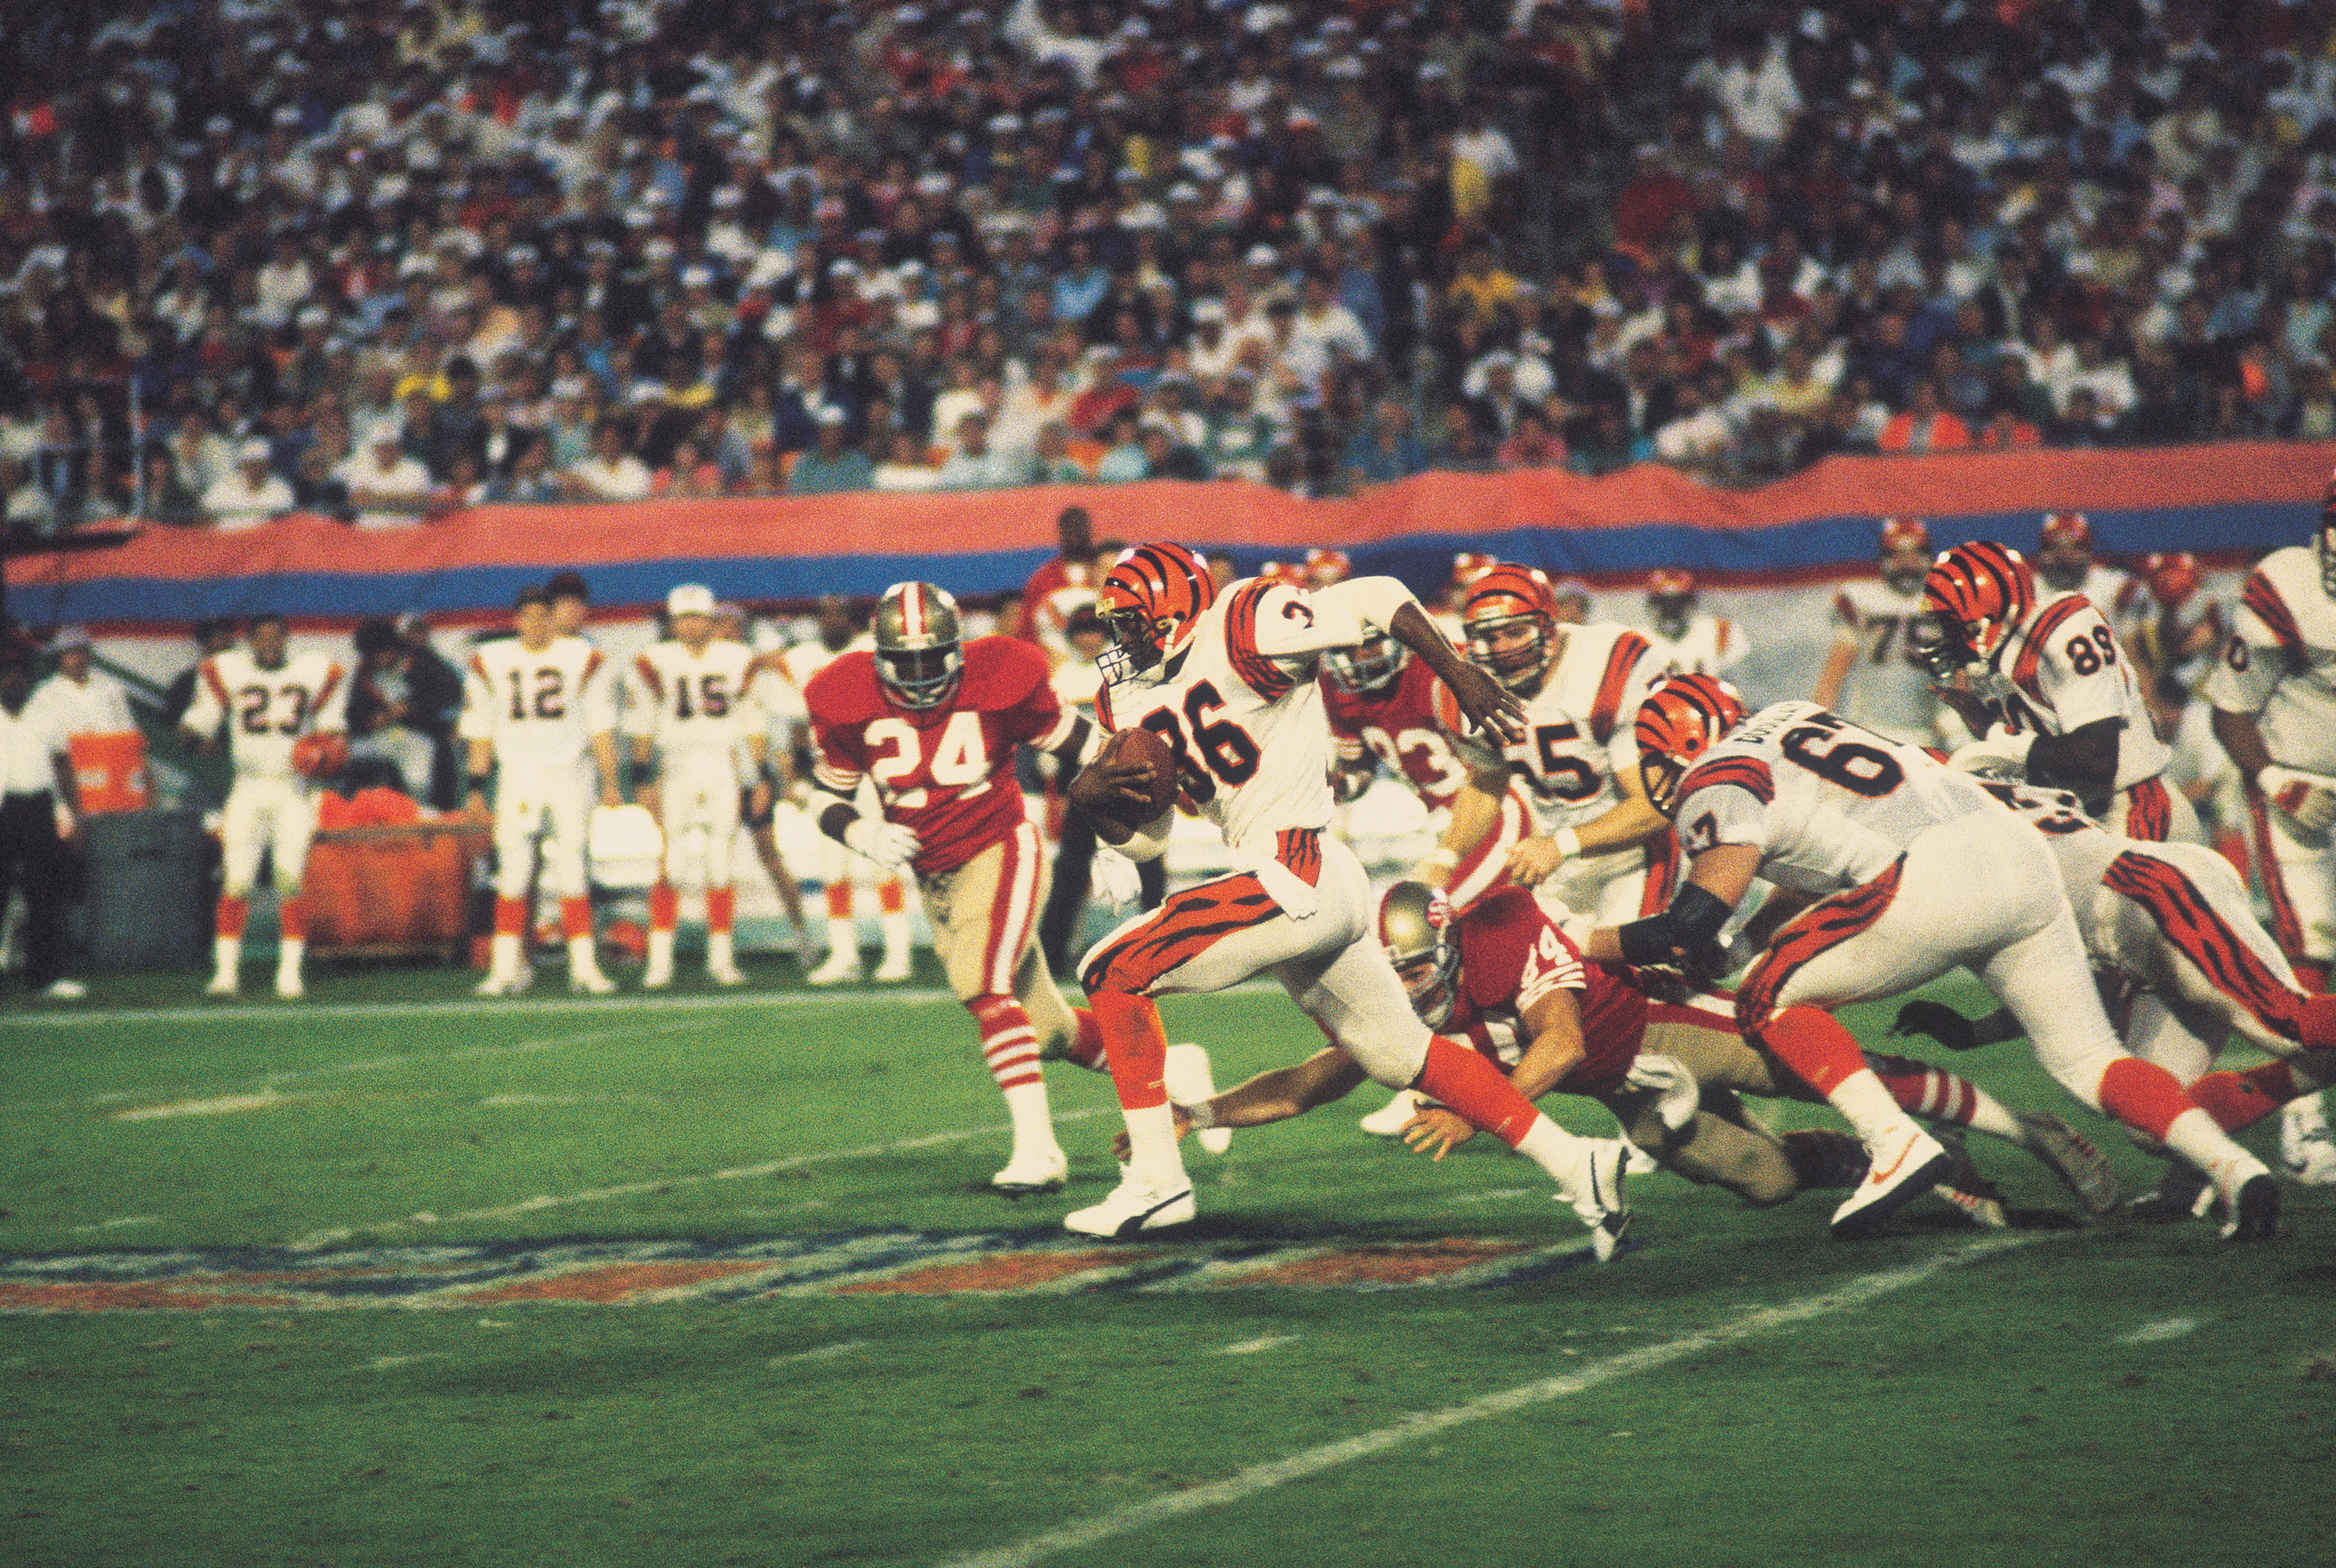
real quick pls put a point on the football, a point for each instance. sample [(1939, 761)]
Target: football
[(1144, 745), (320, 753)]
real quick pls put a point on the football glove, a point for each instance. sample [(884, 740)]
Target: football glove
[(1939, 1021), (1114, 878), (889, 844), (1676, 1093), (2306, 799)]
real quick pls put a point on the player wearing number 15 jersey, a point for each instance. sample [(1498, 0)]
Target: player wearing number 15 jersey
[(1915, 869), (933, 721), (1229, 684), (270, 700)]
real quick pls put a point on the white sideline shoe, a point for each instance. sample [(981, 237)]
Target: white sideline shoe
[(509, 985), (1188, 1081), (590, 982), (656, 977), (2307, 1149), (1036, 1171), (65, 991), (222, 986), (727, 975), (896, 967), (842, 968), (1390, 1119), (1595, 1193), (289, 989), (1906, 1165), (1133, 1207)]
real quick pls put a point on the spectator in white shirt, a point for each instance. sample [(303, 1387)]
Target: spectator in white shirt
[(610, 474), (81, 699), (36, 821), (386, 487), (249, 495), (976, 466)]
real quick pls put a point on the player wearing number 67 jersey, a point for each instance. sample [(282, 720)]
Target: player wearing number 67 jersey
[(933, 720), (270, 701), (2057, 702), (540, 716), (693, 702), (1915, 869), (1229, 684)]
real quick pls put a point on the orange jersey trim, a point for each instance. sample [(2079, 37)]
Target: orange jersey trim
[(1627, 651)]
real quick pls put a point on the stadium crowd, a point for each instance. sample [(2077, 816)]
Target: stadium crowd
[(379, 262)]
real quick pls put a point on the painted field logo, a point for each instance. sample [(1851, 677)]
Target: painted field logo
[(850, 1263)]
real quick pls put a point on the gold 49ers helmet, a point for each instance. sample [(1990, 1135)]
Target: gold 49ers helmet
[(1511, 616), (1416, 930), (1371, 665), (1152, 599), (919, 658), (1680, 720)]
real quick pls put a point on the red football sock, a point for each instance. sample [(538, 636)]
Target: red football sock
[(1137, 1047), (511, 917), (721, 908), (664, 907), (2237, 1100), (2143, 1095), (2311, 974), (233, 913), (1086, 1049), (890, 897), (1009, 1046), (1476, 1090), (1815, 1045), (575, 918), (839, 900), (293, 914), (1924, 1090)]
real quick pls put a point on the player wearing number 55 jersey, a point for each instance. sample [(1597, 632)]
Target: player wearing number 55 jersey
[(2057, 702), (1229, 684), (692, 702), (535, 709), (1598, 848), (270, 701), (934, 721), (1915, 869)]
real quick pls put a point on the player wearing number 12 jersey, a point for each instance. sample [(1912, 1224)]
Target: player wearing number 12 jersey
[(933, 721), (270, 699), (1229, 684), (1915, 868)]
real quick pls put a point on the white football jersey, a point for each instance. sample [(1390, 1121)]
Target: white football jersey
[(539, 709), (698, 703), (268, 710), (1887, 690), (1711, 645), (1244, 711), (1830, 804), (1578, 740), (2063, 668), (2118, 595), (2279, 663)]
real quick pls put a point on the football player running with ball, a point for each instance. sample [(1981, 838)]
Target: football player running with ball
[(1229, 684), (933, 720), (1916, 869), (272, 702)]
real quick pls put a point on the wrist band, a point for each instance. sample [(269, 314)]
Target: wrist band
[(1444, 857), (1568, 842), (1200, 1118)]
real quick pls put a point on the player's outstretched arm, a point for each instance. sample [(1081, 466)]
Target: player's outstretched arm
[(1488, 705), (1329, 1074), (1835, 674), (1689, 932), (1475, 811), (1632, 820)]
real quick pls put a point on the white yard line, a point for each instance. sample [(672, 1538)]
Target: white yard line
[(823, 1353), (1252, 1347), (315, 1241), (472, 1007), (2163, 1329), (1260, 1478)]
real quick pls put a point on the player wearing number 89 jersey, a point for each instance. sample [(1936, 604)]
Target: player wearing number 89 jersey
[(933, 721), (1229, 684), (270, 699), (1914, 869)]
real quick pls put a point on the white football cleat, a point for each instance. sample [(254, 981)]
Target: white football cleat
[(221, 985), (590, 982), (842, 968), (65, 990), (1391, 1118), (1906, 1164), (289, 989), (1033, 1171), (1133, 1207), (2307, 1149), (1189, 1082), (727, 975), (656, 977), (896, 967), (1595, 1193), (506, 984)]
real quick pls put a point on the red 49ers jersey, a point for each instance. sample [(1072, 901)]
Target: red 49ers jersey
[(946, 772), (1512, 955), (1408, 724)]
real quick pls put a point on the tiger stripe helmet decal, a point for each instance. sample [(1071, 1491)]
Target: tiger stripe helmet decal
[(1152, 599), (1977, 593), (1677, 723)]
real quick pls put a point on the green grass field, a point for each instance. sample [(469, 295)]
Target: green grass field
[(394, 1277)]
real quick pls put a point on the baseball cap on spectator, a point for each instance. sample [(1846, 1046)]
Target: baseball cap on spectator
[(828, 414), (690, 598), (68, 637), (254, 452), (1205, 311), (1262, 255)]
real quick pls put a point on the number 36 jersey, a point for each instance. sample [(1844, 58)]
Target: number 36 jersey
[(1829, 804), (946, 772), (268, 710), (540, 709)]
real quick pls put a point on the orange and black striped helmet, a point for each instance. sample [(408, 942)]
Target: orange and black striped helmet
[(1152, 599), (1497, 602), (1975, 595), (1681, 720)]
